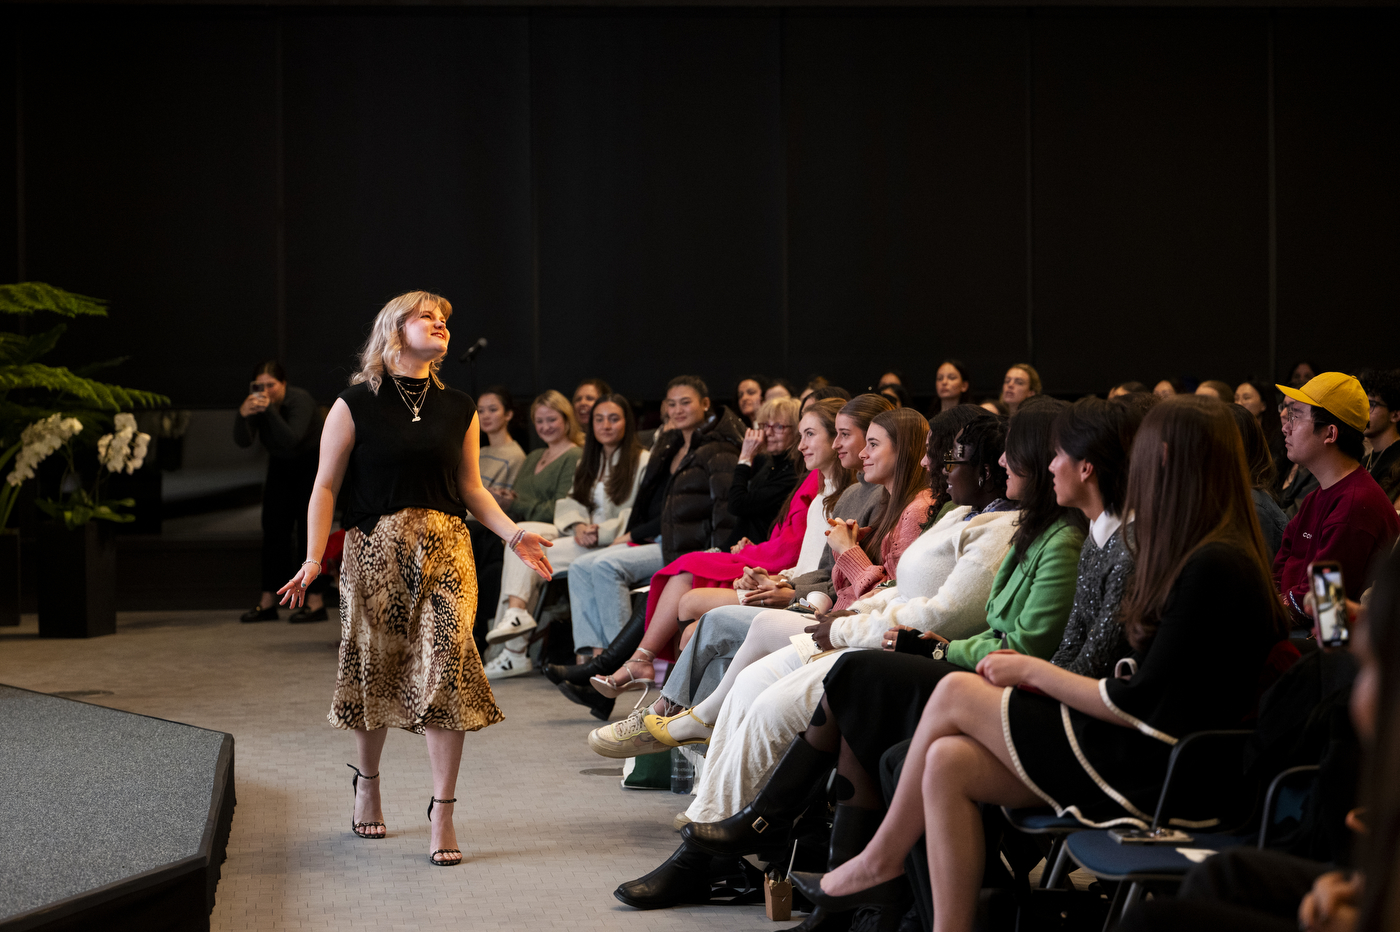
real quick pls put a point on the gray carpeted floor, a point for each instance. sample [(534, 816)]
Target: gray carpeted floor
[(92, 795)]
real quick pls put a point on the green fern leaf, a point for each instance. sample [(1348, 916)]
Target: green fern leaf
[(28, 297)]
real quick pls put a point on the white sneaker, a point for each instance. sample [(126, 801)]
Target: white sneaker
[(514, 623), (507, 664)]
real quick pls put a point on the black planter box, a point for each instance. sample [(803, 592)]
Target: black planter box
[(9, 578), (77, 581)]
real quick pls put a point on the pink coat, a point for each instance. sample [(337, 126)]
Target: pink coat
[(779, 552)]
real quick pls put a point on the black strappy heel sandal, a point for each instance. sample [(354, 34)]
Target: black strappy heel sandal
[(432, 858), (355, 790)]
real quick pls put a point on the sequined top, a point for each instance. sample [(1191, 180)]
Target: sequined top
[(1094, 638)]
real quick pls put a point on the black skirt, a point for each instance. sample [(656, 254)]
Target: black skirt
[(878, 698), (1100, 773)]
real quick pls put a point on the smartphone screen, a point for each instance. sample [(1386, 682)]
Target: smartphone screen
[(1330, 597)]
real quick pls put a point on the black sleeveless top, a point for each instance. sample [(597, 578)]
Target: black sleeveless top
[(400, 463)]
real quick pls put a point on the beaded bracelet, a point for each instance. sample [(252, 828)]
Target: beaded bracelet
[(515, 541)]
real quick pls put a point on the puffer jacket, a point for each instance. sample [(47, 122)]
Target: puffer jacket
[(696, 514)]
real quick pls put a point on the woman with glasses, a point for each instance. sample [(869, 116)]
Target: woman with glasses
[(768, 470)]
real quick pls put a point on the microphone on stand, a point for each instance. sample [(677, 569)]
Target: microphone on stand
[(470, 354), (469, 357)]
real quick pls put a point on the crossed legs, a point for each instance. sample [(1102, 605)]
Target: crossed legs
[(957, 759)]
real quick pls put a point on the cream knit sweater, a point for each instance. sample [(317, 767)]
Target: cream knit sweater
[(945, 579)]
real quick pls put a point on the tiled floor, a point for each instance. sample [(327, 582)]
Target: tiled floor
[(545, 844)]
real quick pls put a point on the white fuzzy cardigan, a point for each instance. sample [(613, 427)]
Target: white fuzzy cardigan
[(945, 580)]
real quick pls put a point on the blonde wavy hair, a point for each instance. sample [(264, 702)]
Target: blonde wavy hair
[(385, 342), (555, 400)]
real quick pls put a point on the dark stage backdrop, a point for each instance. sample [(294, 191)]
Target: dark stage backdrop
[(1110, 194)]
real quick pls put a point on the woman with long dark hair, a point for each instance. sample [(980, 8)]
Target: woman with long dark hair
[(400, 450), (1260, 463), (1200, 566), (952, 384), (592, 515)]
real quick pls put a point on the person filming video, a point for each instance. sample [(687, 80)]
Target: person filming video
[(287, 421)]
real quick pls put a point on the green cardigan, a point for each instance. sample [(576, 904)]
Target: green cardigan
[(1030, 601), (535, 495)]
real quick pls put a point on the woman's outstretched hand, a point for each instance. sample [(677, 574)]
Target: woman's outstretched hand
[(530, 550), (295, 589)]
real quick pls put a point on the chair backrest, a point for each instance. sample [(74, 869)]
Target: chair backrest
[(1208, 765), (1286, 799)]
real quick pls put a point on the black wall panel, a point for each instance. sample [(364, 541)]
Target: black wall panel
[(659, 162), (1338, 134), (407, 168), (149, 160), (1151, 196), (633, 193), (906, 194)]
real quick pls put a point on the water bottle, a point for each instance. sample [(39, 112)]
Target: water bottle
[(682, 773)]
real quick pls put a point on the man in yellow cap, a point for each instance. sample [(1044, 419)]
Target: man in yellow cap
[(1348, 519)]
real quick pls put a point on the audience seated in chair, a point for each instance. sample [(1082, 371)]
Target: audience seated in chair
[(1200, 566), (1383, 431), (720, 631), (1348, 519), (696, 582), (591, 516), (1252, 890), (769, 468)]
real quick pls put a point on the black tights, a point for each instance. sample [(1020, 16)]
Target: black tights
[(854, 784)]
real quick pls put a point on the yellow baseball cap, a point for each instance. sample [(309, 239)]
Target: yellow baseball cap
[(1337, 393)]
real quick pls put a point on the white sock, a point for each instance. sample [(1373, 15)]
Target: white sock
[(687, 728), (517, 645)]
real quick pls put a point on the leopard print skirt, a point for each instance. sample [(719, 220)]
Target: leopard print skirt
[(408, 602)]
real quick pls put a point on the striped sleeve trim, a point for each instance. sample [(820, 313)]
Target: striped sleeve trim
[(1132, 720)]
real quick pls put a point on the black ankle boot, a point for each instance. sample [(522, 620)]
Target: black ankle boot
[(599, 706), (684, 877), (605, 661), (851, 830), (767, 821)]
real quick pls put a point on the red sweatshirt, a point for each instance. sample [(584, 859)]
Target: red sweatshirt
[(1349, 523)]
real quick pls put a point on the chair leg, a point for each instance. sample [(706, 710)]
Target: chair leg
[(1058, 859), (1111, 919)]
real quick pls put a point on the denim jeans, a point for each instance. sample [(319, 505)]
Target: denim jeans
[(599, 584), (701, 665)]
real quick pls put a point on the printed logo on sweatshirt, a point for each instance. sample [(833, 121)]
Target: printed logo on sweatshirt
[(1307, 536)]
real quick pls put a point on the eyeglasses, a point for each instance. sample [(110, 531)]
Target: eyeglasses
[(775, 427), (949, 464), (1289, 417), (1378, 404)]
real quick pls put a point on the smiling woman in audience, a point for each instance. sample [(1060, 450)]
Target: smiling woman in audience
[(592, 515), (748, 396)]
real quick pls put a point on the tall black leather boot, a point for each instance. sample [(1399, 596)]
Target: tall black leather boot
[(851, 830), (684, 877), (767, 821), (608, 659)]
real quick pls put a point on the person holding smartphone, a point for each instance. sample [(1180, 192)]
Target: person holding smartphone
[(287, 421)]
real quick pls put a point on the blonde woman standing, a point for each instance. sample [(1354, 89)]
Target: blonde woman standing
[(400, 449)]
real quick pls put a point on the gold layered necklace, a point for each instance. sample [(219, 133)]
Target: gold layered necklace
[(412, 400)]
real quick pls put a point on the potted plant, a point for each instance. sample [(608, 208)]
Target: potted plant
[(42, 409)]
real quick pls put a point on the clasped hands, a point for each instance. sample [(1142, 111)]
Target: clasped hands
[(844, 535), (756, 587)]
